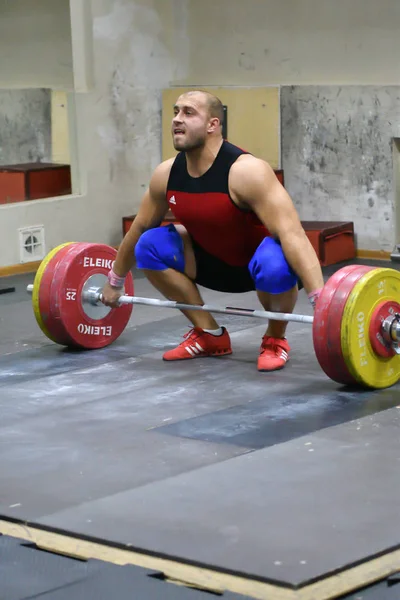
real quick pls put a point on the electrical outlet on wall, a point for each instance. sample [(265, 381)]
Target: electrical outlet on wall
[(31, 243)]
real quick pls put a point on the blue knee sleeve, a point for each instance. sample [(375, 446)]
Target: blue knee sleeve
[(270, 270), (159, 249)]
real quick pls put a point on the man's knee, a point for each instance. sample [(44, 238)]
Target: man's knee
[(270, 270), (159, 249)]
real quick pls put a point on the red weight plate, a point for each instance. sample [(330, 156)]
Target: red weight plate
[(341, 372), (54, 318), (88, 326), (327, 322), (54, 326), (383, 310), (321, 320)]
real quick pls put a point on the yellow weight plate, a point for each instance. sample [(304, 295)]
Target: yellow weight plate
[(364, 364), (36, 288)]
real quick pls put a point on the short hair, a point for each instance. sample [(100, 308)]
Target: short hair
[(215, 107), (214, 104)]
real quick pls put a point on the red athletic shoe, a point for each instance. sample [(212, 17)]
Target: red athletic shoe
[(198, 343), (274, 353)]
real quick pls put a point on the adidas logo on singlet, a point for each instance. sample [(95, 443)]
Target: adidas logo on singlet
[(172, 200)]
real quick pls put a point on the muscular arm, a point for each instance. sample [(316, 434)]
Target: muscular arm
[(152, 210), (253, 184)]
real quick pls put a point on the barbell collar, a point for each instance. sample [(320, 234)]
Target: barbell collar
[(391, 331), (396, 331)]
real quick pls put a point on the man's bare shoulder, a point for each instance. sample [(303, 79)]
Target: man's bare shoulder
[(163, 169), (160, 176), (249, 173), (250, 164)]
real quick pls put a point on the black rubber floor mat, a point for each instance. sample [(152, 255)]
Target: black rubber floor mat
[(30, 573), (384, 590), (26, 571), (282, 417), (128, 583)]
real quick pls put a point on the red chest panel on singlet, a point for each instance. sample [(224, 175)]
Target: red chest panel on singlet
[(204, 207)]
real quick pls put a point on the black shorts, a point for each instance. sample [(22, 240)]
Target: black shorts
[(215, 274)]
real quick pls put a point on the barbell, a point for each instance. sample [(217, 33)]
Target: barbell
[(355, 327)]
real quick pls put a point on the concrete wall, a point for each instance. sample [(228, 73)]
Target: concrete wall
[(117, 124), (294, 42), (25, 126), (337, 150), (35, 44)]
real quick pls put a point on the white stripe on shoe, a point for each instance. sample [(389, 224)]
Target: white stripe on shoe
[(194, 349)]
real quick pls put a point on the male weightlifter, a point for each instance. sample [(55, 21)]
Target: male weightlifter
[(238, 231)]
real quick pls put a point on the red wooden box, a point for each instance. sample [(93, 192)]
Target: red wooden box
[(127, 221), (280, 176), (333, 241), (30, 181)]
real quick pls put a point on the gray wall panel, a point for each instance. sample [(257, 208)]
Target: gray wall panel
[(337, 155)]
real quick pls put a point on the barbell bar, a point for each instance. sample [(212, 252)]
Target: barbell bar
[(390, 325), (355, 327), (93, 297)]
